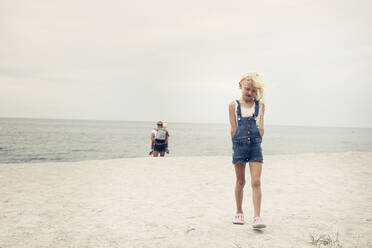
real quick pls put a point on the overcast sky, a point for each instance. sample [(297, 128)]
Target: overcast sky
[(180, 61)]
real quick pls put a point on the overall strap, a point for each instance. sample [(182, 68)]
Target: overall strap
[(256, 108), (238, 110)]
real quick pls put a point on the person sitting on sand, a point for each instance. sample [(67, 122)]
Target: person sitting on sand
[(247, 128), (159, 140)]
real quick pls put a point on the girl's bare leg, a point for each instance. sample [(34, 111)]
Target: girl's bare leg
[(155, 153), (256, 169), (162, 154), (240, 182)]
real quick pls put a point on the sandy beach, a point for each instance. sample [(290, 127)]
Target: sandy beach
[(186, 202)]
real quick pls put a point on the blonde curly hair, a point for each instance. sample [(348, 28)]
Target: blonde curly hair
[(254, 77)]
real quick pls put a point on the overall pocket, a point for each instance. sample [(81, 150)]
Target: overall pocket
[(257, 139), (240, 140)]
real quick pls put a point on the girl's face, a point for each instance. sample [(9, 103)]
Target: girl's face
[(249, 92)]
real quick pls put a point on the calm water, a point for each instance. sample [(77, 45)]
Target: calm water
[(36, 140)]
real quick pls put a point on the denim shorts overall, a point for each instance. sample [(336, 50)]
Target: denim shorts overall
[(160, 145), (247, 139)]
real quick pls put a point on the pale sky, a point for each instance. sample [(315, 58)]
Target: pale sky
[(180, 61)]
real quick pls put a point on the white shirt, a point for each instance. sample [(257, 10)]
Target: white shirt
[(248, 112)]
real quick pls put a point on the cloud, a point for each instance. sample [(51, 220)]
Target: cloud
[(139, 60)]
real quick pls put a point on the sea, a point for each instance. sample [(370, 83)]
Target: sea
[(50, 140)]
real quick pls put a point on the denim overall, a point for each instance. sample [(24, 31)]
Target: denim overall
[(160, 144), (247, 139)]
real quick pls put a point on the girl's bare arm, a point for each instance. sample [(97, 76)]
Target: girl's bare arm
[(261, 119), (232, 118)]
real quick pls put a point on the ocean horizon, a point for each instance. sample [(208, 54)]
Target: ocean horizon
[(29, 140)]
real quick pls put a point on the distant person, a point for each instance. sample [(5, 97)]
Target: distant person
[(247, 128), (159, 140)]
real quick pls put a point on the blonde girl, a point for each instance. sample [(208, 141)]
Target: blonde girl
[(247, 128)]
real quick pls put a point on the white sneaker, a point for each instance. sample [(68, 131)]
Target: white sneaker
[(239, 219), (258, 223)]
